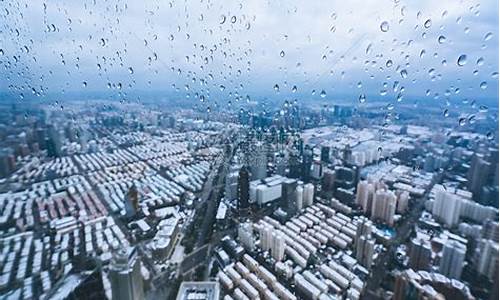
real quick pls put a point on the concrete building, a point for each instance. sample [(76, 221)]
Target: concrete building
[(125, 275), (420, 254), (452, 259), (446, 207)]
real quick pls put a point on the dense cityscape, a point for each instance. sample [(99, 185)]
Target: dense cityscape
[(202, 151), (300, 204)]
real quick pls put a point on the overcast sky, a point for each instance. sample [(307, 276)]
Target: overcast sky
[(225, 50)]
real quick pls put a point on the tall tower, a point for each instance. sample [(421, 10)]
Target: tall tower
[(243, 188), (125, 275)]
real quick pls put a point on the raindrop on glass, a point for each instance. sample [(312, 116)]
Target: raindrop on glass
[(384, 26), (462, 60)]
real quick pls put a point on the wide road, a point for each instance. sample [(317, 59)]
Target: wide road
[(213, 194)]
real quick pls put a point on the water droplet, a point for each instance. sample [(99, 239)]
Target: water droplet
[(388, 63), (222, 19), (294, 89), (483, 108), (404, 73), (428, 23), (1, 52), (441, 39), (488, 36), (399, 98), (480, 61), (84, 84), (462, 60), (483, 85), (446, 113), (422, 53), (362, 98), (282, 53), (103, 42), (368, 49), (233, 19), (323, 94), (462, 121), (276, 87), (130, 70), (384, 26)]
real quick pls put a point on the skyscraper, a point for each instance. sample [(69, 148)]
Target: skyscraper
[(446, 207), (452, 259), (243, 188), (487, 257), (420, 254), (364, 243), (125, 275), (307, 160), (325, 154), (288, 195)]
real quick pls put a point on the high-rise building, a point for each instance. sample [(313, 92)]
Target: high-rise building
[(243, 188), (278, 246), (452, 259), (265, 235), (307, 160), (258, 162), (446, 207), (490, 230), (288, 195), (325, 154), (294, 165), (246, 236), (125, 275), (402, 201), (420, 254), (328, 181), (364, 243), (299, 198), (384, 206), (487, 257), (308, 194), (478, 175)]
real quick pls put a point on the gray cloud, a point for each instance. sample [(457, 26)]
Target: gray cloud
[(324, 43)]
